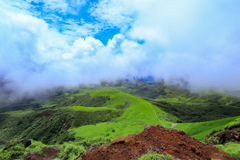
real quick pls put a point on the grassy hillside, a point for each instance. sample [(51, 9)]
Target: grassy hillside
[(196, 110), (97, 115), (199, 130), (183, 104), (51, 125), (107, 112), (89, 114), (137, 114)]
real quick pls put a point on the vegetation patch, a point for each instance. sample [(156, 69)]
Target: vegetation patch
[(28, 103), (96, 141), (200, 129), (89, 109), (233, 124), (97, 115), (137, 114), (14, 152), (52, 128), (233, 149), (86, 101), (196, 111), (70, 151), (156, 156)]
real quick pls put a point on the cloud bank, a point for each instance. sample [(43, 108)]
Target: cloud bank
[(196, 40)]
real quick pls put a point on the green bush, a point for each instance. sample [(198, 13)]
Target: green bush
[(156, 156), (13, 152), (35, 146), (70, 151)]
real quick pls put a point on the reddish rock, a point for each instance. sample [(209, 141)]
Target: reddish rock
[(224, 136), (160, 140)]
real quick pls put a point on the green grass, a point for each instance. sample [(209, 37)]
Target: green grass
[(86, 101), (89, 109), (199, 130), (14, 152), (233, 149), (1, 146), (233, 124), (69, 150), (52, 127), (48, 105), (156, 156), (173, 100), (195, 110), (136, 115), (20, 112), (100, 114), (35, 146)]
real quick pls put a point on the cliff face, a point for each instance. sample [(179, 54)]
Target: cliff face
[(156, 139)]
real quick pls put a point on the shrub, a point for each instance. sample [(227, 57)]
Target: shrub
[(13, 152), (70, 151), (36, 146)]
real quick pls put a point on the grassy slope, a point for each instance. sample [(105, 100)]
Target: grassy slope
[(138, 114), (89, 109), (233, 149), (199, 130), (18, 113)]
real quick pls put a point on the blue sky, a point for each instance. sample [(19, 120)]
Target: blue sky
[(47, 43)]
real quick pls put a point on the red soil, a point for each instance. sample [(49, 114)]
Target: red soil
[(160, 140)]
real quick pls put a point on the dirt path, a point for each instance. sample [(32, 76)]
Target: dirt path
[(174, 124)]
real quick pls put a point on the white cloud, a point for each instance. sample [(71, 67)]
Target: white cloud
[(35, 56), (194, 39), (116, 41), (76, 29), (62, 15), (114, 13), (27, 46), (82, 48)]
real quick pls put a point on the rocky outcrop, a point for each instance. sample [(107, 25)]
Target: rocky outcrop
[(225, 136), (156, 139)]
